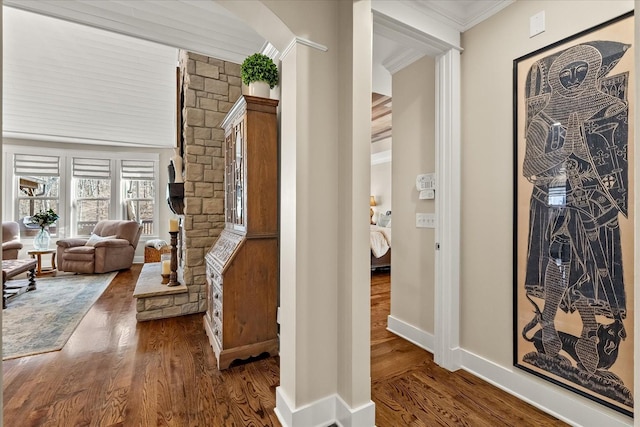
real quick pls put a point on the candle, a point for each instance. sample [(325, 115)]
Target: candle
[(173, 225), (166, 266)]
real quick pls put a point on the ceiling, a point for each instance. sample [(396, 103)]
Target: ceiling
[(198, 26), (380, 117), (208, 28)]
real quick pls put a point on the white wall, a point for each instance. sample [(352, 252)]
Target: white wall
[(68, 82), (487, 181), (413, 152), (381, 188)]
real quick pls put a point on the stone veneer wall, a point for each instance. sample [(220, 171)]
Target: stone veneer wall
[(211, 87)]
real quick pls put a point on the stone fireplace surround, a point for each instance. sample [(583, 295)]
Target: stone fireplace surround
[(210, 87)]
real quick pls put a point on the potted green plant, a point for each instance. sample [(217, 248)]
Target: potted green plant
[(260, 73), (44, 219)]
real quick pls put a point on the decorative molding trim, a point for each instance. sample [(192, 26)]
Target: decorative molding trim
[(238, 105), (324, 412), (401, 60), (410, 333), (409, 36), (558, 402), (460, 23), (269, 50), (72, 140), (312, 44), (381, 157), (302, 41)]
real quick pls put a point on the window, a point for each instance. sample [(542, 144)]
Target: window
[(38, 188), (138, 177), (81, 186), (91, 193)]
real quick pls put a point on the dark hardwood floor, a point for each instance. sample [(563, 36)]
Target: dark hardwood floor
[(409, 389), (116, 372)]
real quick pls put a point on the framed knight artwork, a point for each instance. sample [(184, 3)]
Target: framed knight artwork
[(573, 213)]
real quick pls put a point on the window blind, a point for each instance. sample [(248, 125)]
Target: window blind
[(28, 165), (91, 168), (138, 169)]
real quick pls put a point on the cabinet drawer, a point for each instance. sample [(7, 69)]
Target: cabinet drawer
[(214, 277), (216, 294), (216, 312), (214, 302), (217, 330)]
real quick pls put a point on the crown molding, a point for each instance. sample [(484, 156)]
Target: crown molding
[(269, 50), (402, 59), (456, 15), (304, 42), (409, 36)]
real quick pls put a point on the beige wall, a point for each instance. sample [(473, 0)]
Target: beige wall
[(324, 278), (487, 160), (413, 153)]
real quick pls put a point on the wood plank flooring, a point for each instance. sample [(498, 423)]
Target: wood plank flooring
[(409, 389), (117, 372)]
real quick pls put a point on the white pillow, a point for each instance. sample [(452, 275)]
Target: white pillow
[(95, 239)]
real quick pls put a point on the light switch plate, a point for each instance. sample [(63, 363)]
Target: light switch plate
[(425, 220), (536, 24)]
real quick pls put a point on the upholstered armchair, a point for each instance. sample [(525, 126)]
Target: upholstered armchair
[(10, 240), (111, 247)]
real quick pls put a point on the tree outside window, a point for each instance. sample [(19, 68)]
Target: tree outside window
[(38, 181)]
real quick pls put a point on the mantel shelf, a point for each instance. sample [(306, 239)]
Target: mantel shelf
[(149, 283)]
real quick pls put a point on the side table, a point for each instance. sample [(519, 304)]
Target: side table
[(43, 271)]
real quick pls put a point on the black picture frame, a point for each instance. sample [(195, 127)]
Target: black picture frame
[(573, 254)]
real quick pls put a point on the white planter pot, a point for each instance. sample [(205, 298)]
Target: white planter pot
[(260, 89)]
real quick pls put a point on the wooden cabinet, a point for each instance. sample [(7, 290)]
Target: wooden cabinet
[(242, 265)]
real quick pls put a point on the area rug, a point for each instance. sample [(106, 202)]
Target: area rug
[(42, 320)]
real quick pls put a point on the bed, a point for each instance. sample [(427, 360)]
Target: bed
[(380, 238)]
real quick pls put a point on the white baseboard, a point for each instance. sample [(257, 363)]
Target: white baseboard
[(323, 412), (564, 405), (363, 416), (320, 413), (410, 333)]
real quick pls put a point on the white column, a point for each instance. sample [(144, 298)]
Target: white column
[(447, 291)]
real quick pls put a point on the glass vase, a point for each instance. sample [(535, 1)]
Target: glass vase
[(42, 240)]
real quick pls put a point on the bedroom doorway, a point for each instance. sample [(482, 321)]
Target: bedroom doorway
[(425, 139)]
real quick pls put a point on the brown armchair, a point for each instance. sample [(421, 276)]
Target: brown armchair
[(10, 240), (111, 247)]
